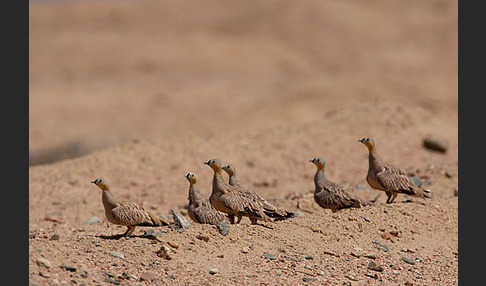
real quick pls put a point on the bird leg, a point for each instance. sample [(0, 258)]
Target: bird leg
[(239, 219), (389, 195), (394, 195), (231, 218), (129, 231)]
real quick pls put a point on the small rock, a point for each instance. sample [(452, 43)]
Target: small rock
[(456, 191), (92, 220), (53, 219), (374, 275), (68, 268), (172, 277), (366, 219), (435, 144), (382, 246), (408, 260), (112, 281), (448, 174), (147, 276), (84, 274), (127, 276), (202, 237), (116, 254), (309, 257), (180, 222), (416, 180), (164, 252), (321, 273), (331, 253), (55, 236), (372, 266), (45, 275), (408, 283), (385, 236), (244, 250), (43, 262), (307, 279), (223, 227), (308, 267), (269, 256), (173, 244), (213, 271), (396, 272), (298, 214)]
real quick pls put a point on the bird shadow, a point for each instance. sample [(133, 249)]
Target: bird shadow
[(119, 236)]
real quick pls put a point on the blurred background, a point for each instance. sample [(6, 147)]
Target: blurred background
[(106, 72)]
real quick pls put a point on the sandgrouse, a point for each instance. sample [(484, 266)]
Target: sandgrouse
[(385, 177), (269, 209), (233, 201), (128, 214), (200, 209), (330, 195)]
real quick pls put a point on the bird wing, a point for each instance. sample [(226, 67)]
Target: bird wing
[(209, 215), (132, 214), (395, 181)]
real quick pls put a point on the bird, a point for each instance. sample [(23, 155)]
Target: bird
[(128, 214), (200, 209), (385, 177), (330, 195), (233, 201), (231, 173), (269, 209)]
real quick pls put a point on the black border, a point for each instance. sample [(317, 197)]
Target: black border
[(15, 141)]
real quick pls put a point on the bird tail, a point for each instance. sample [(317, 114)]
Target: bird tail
[(157, 220)]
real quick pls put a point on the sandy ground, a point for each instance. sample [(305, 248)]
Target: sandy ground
[(146, 92)]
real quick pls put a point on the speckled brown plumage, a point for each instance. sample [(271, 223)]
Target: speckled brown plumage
[(200, 209), (269, 209), (385, 177), (229, 199), (330, 195), (126, 213)]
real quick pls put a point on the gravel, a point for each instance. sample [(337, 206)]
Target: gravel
[(117, 254)]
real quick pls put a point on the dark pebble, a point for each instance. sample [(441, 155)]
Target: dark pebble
[(307, 279), (435, 144), (68, 268), (408, 260), (308, 257), (269, 256)]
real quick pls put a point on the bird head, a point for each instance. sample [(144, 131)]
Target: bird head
[(191, 177), (215, 164), (229, 169), (101, 183), (320, 163), (368, 142)]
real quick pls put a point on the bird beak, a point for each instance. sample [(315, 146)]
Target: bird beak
[(312, 161), (94, 182), (206, 162), (360, 140)]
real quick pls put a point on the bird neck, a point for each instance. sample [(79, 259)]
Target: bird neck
[(232, 180), (194, 195), (319, 175), (109, 201), (218, 183)]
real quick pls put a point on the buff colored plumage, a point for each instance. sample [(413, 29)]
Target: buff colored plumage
[(200, 209), (330, 195), (269, 209), (385, 177), (128, 214), (230, 200)]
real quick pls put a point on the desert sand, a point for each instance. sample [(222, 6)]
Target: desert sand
[(141, 93)]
